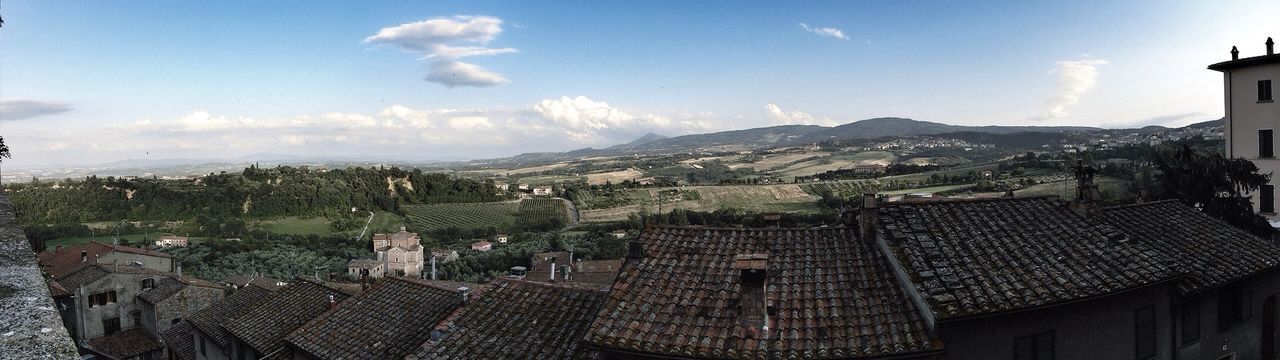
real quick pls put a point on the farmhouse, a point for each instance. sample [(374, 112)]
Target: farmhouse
[(444, 255), (365, 268), (542, 190), (401, 251), (61, 260), (168, 240), (620, 233), (500, 238), (482, 246)]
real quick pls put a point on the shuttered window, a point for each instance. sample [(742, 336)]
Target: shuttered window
[(1264, 143), (1267, 199), (1190, 320), (1264, 90), (1144, 323)]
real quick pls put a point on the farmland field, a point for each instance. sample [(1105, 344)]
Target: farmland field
[(536, 211), (295, 225), (837, 162), (548, 179), (790, 198), (775, 161), (536, 169), (613, 177), (464, 215)]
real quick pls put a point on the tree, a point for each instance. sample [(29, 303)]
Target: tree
[(1214, 184), (4, 149)]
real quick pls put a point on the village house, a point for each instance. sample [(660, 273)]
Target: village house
[(203, 336), (362, 268), (549, 266), (401, 251), (597, 272), (620, 233), (61, 260), (1252, 115), (259, 332), (542, 190), (101, 309), (500, 238), (240, 281), (168, 240), (482, 246), (523, 187), (442, 256)]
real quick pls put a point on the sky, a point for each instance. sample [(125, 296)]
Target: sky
[(89, 82)]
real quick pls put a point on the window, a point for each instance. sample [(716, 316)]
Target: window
[(135, 318), (1144, 323), (1037, 346), (1264, 144), (202, 352), (110, 326), (100, 299), (1190, 313), (1264, 90), (148, 283), (1230, 307), (1267, 199)]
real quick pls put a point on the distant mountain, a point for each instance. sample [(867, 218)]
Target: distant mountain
[(647, 138), (1208, 124), (892, 126)]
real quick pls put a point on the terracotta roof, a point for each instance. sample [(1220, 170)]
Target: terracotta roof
[(164, 288), (388, 321), (364, 263), (981, 256), (56, 289), (180, 341), (601, 272), (211, 320), (260, 281), (519, 320), (91, 272), (125, 344), (59, 262), (1210, 251), (542, 261), (832, 295), (265, 325)]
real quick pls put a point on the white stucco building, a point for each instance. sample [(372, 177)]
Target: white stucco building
[(401, 252), (1253, 116)]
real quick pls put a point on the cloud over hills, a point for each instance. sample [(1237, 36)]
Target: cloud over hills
[(445, 40)]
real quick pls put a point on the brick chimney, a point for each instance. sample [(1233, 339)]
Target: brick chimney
[(868, 216), (1271, 46), (464, 292), (1088, 201), (84, 256), (753, 270), (1235, 53)]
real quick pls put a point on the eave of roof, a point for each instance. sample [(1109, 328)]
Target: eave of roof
[(1246, 62)]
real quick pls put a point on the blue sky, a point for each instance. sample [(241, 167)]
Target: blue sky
[(85, 82)]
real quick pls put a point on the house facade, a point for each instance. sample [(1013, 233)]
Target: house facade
[(61, 260), (169, 240), (1253, 115), (401, 251)]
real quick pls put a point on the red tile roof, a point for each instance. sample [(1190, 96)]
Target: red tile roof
[(1209, 251), (211, 320), (59, 262), (266, 324), (180, 341), (388, 321), (519, 320), (972, 257), (125, 344), (832, 295)]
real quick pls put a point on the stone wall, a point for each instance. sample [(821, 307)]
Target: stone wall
[(30, 327)]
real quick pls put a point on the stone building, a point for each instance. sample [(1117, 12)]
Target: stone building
[(1252, 116), (203, 336), (359, 268), (401, 251), (259, 332), (60, 260), (170, 301)]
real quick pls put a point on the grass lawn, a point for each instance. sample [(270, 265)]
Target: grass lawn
[(384, 222), (298, 226)]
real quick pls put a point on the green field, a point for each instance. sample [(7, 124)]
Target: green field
[(385, 222), (539, 210), (464, 215), (294, 225), (837, 162), (548, 179)]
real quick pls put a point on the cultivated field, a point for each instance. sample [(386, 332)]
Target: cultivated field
[(536, 169), (837, 162), (538, 210), (757, 198), (614, 177), (467, 215), (775, 161)]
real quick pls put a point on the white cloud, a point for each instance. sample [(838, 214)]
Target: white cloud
[(594, 122), (456, 73), (825, 31), (1075, 77), (445, 40), (18, 109), (777, 116)]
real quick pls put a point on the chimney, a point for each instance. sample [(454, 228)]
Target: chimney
[(333, 303), (84, 256), (553, 270), (1271, 46), (1088, 199), (753, 269), (635, 250), (364, 279), (868, 216), (402, 228), (465, 292), (57, 249), (1235, 53), (178, 269), (518, 272)]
